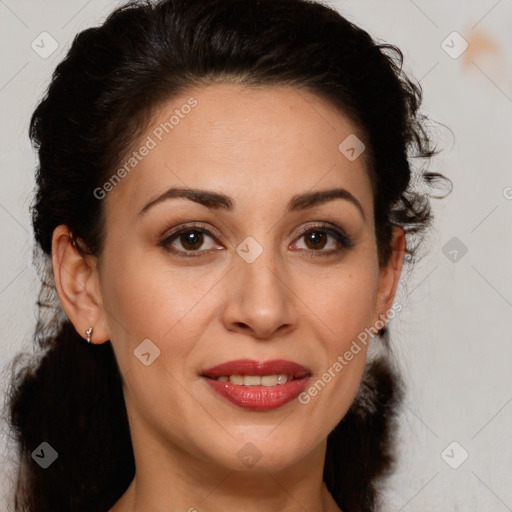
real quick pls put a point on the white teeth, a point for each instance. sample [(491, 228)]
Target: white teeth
[(269, 380), (282, 378), (236, 379), (252, 380), (256, 380)]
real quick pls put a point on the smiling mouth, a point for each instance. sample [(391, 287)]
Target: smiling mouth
[(259, 386), (248, 372), (277, 379)]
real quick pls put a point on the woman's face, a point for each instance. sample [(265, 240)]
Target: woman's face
[(242, 281)]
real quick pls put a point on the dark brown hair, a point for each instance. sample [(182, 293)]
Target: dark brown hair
[(98, 103)]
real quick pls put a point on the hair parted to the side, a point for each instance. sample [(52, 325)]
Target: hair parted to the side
[(100, 100)]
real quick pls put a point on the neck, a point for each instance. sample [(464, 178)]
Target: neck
[(177, 481)]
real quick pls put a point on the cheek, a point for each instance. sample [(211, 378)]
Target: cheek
[(346, 308), (146, 303), (146, 300), (345, 302)]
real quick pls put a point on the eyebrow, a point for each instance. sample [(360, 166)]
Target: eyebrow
[(220, 201)]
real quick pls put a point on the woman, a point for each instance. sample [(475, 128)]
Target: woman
[(224, 204)]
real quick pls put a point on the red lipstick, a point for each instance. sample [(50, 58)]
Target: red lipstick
[(292, 379)]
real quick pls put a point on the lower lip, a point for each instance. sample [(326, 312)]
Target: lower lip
[(259, 398)]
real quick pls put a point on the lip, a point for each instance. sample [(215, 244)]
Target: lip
[(260, 368), (258, 398)]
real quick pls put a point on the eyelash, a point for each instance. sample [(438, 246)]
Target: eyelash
[(338, 234)]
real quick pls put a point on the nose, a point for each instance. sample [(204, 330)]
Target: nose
[(259, 299)]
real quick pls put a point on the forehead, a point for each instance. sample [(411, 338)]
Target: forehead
[(260, 145)]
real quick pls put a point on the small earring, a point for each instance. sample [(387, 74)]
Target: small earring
[(88, 334)]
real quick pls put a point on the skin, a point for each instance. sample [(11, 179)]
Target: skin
[(259, 146)]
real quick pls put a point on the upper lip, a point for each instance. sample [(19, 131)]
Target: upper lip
[(251, 367)]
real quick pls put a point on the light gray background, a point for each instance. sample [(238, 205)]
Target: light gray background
[(454, 336)]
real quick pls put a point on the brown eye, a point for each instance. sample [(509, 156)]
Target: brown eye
[(315, 239), (191, 240), (324, 240)]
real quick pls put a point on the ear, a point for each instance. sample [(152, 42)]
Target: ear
[(77, 283), (390, 275)]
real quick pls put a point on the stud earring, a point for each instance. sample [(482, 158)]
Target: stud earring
[(88, 334), (382, 331)]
